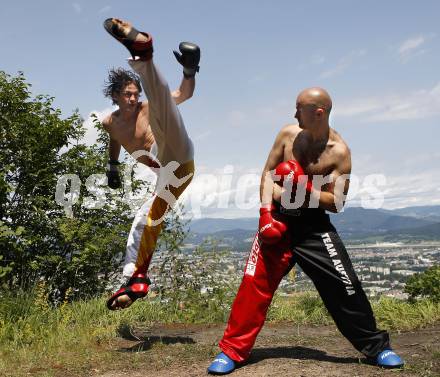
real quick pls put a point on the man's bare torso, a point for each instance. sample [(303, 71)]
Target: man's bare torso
[(133, 134), (315, 158)]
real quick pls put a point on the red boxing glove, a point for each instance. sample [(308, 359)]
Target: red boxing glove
[(270, 230), (283, 170), (294, 173)]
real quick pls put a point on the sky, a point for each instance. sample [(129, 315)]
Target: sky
[(378, 60)]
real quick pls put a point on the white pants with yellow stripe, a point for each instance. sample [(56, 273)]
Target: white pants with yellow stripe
[(174, 150)]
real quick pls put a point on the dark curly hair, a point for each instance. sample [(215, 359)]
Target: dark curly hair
[(118, 79)]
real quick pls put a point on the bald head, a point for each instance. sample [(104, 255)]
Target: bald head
[(315, 96)]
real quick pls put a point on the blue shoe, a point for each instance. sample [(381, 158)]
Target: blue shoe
[(222, 364), (389, 359)]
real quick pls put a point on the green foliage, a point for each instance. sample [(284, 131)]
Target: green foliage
[(401, 315), (34, 333), (425, 284), (6, 234), (38, 242), (77, 252), (191, 287), (392, 314), (302, 308)]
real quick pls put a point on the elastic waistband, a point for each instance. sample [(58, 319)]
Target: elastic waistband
[(309, 213)]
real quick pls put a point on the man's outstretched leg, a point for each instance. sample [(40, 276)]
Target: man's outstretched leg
[(172, 144), (266, 266), (323, 257)]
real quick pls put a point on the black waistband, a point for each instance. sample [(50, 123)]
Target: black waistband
[(300, 212)]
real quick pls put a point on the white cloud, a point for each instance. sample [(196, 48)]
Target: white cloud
[(233, 191), (420, 104), (230, 191), (413, 189), (212, 195), (343, 64), (406, 186), (410, 44), (91, 132), (77, 7), (356, 107), (105, 9), (411, 47), (414, 181)]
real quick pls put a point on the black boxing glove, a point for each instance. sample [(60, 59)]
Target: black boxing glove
[(112, 173), (189, 58)]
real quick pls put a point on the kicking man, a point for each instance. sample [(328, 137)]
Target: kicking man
[(154, 133), (312, 163)]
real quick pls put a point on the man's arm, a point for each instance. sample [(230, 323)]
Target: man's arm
[(270, 229), (331, 196), (189, 58), (114, 148), (185, 91), (276, 155)]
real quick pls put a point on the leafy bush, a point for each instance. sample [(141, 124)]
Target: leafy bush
[(193, 287), (425, 284), (38, 242)]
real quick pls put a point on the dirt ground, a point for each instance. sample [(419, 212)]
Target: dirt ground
[(281, 349)]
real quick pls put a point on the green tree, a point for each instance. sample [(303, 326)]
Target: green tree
[(5, 234), (425, 284), (38, 241), (196, 284)]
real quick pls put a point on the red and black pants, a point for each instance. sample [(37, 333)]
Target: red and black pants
[(313, 243)]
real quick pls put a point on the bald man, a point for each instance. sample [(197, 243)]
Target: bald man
[(306, 173)]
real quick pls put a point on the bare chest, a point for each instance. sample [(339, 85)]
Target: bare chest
[(323, 166), (314, 160), (132, 135)]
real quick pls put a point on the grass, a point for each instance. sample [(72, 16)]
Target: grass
[(302, 309), (391, 314), (401, 315), (75, 338)]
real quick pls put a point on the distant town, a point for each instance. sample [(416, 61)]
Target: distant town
[(383, 268)]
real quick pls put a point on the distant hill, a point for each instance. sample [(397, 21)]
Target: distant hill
[(214, 225), (237, 239), (357, 221), (420, 212), (428, 232), (421, 222)]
